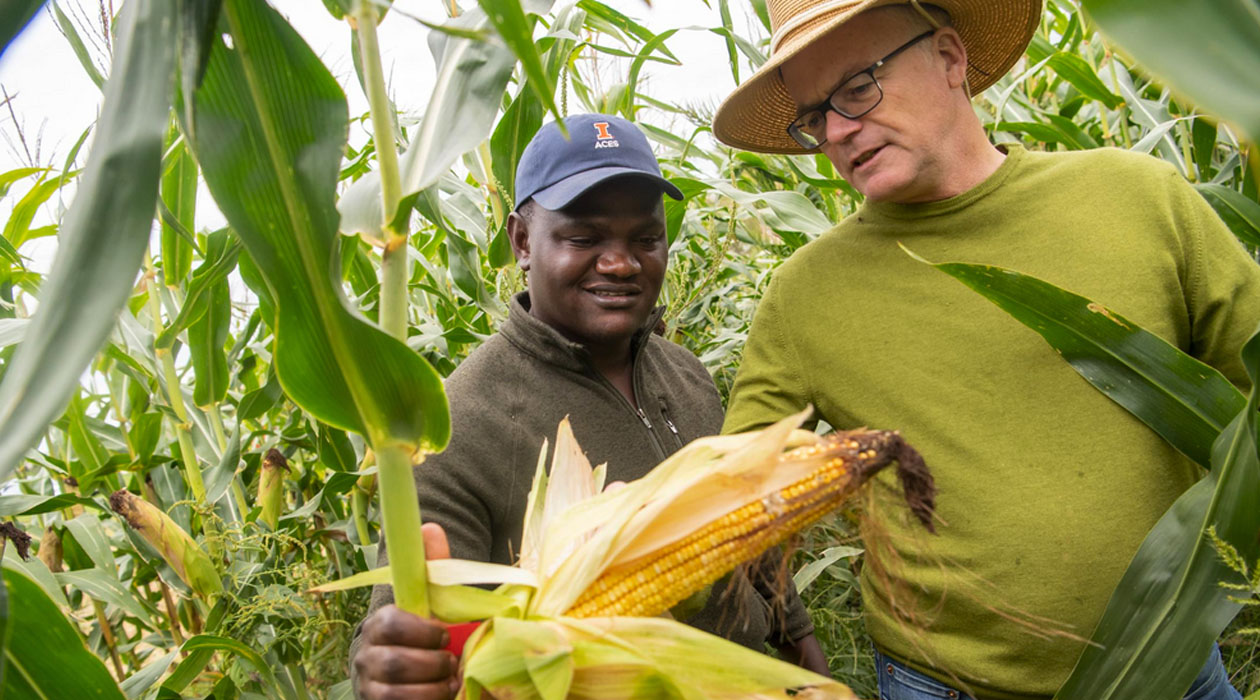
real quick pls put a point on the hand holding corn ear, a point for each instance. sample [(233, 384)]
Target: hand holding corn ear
[(571, 618)]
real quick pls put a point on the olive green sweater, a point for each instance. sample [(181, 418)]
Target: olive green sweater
[(511, 394), (1046, 486)]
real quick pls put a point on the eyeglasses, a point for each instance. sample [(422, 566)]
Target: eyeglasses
[(854, 98)]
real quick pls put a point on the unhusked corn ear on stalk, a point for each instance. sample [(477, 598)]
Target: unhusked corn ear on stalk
[(50, 551), (176, 546), (271, 486), (656, 582)]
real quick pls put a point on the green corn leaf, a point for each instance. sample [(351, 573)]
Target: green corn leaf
[(517, 31), (1187, 402), (102, 237), (522, 119), (17, 228), (135, 686), (1076, 71), (1241, 214), (1203, 132), (206, 339), (30, 504), (216, 643), (636, 66), (45, 656), (187, 671), (732, 54), (1219, 70), (1169, 607), (524, 116), (222, 252), (471, 78), (270, 128), (9, 177), (80, 49), (179, 195)]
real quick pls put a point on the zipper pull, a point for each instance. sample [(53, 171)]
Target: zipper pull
[(670, 424), (643, 417)]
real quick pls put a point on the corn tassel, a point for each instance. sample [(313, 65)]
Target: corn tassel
[(271, 487), (178, 549), (651, 585)]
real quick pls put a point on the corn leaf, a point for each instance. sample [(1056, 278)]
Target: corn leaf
[(1156, 33), (442, 572), (1169, 607), (270, 127), (179, 195), (471, 78), (102, 237), (80, 49), (1187, 402), (17, 230), (206, 338), (216, 643), (1240, 213), (1076, 71), (45, 656), (517, 31), (524, 116)]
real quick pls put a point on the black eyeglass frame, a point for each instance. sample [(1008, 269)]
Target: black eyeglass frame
[(797, 125)]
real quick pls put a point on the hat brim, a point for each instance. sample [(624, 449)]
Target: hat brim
[(562, 193), (755, 116)]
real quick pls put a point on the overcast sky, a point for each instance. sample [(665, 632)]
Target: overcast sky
[(54, 101)]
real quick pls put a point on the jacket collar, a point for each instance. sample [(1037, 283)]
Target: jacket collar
[(547, 344)]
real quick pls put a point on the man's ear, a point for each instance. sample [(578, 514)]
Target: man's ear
[(949, 46), (518, 234)]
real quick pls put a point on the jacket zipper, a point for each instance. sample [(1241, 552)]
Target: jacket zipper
[(655, 439), (673, 429)]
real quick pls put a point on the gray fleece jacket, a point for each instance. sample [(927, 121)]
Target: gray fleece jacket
[(511, 393)]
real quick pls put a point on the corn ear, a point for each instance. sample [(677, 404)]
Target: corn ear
[(178, 549), (652, 584), (50, 550), (271, 487)]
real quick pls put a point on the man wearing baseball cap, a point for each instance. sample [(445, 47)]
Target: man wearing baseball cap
[(589, 233), (1046, 487)]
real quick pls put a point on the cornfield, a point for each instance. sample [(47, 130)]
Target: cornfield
[(198, 425)]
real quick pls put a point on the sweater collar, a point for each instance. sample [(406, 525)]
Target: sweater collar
[(1014, 156), (546, 343)]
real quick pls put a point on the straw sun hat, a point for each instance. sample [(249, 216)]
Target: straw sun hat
[(756, 115)]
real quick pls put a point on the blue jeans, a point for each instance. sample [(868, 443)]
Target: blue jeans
[(900, 682)]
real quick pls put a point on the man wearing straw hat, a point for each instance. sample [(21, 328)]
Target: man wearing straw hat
[(1047, 487)]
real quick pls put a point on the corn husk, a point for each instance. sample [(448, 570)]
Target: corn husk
[(176, 546), (271, 487)]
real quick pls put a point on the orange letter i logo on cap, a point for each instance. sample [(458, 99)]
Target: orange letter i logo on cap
[(602, 129)]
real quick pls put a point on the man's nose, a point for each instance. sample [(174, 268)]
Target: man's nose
[(617, 260), (840, 127)]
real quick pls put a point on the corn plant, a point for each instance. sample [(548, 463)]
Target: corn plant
[(195, 423)]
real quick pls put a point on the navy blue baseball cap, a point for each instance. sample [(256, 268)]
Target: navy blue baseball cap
[(554, 170)]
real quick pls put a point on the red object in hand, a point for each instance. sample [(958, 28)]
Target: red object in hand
[(460, 632)]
